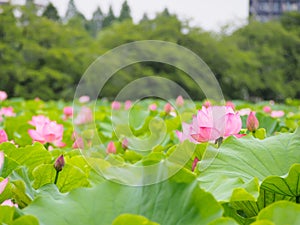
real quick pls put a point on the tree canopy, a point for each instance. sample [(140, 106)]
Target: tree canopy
[(45, 56)]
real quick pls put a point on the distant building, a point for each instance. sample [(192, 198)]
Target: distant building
[(265, 10)]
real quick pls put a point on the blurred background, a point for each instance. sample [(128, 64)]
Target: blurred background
[(252, 46)]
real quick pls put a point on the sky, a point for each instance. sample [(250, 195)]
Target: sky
[(208, 14)]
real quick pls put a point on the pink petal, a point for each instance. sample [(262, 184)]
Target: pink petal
[(8, 202), (3, 185)]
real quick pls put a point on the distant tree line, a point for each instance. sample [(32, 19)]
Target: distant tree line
[(44, 55)]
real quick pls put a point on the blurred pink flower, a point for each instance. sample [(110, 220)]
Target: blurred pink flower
[(3, 184), (3, 95), (84, 116), (115, 105), (7, 111), (3, 136), (47, 132), (128, 104), (78, 143), (152, 107), (111, 148), (168, 108), (39, 120), (211, 123), (179, 101), (252, 122), (9, 202), (230, 104), (277, 114), (267, 109), (68, 112), (206, 104), (84, 99)]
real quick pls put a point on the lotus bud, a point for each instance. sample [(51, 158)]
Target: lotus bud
[(59, 163), (115, 105), (168, 108), (196, 160), (179, 101), (252, 122), (111, 148), (152, 107), (128, 104)]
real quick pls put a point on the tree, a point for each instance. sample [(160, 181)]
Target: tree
[(72, 11), (125, 12), (109, 18), (51, 12), (96, 24), (145, 18)]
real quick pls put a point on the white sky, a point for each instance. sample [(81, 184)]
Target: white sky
[(208, 14)]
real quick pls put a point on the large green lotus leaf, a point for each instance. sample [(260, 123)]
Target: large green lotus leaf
[(224, 221), (126, 219), (9, 215), (167, 203), (30, 156), (276, 188), (69, 178), (280, 213), (272, 189), (239, 161)]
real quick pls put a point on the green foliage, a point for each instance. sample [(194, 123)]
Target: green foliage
[(125, 12), (253, 179), (250, 63)]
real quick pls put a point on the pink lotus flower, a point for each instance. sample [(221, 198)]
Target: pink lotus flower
[(230, 104), (206, 104), (115, 105), (84, 99), (68, 112), (152, 107), (3, 136), (84, 116), (211, 124), (277, 114), (252, 122), (179, 101), (195, 162), (168, 108), (78, 143), (39, 120), (267, 109), (9, 202), (128, 104), (7, 111), (47, 131), (111, 148), (3, 95), (3, 184)]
